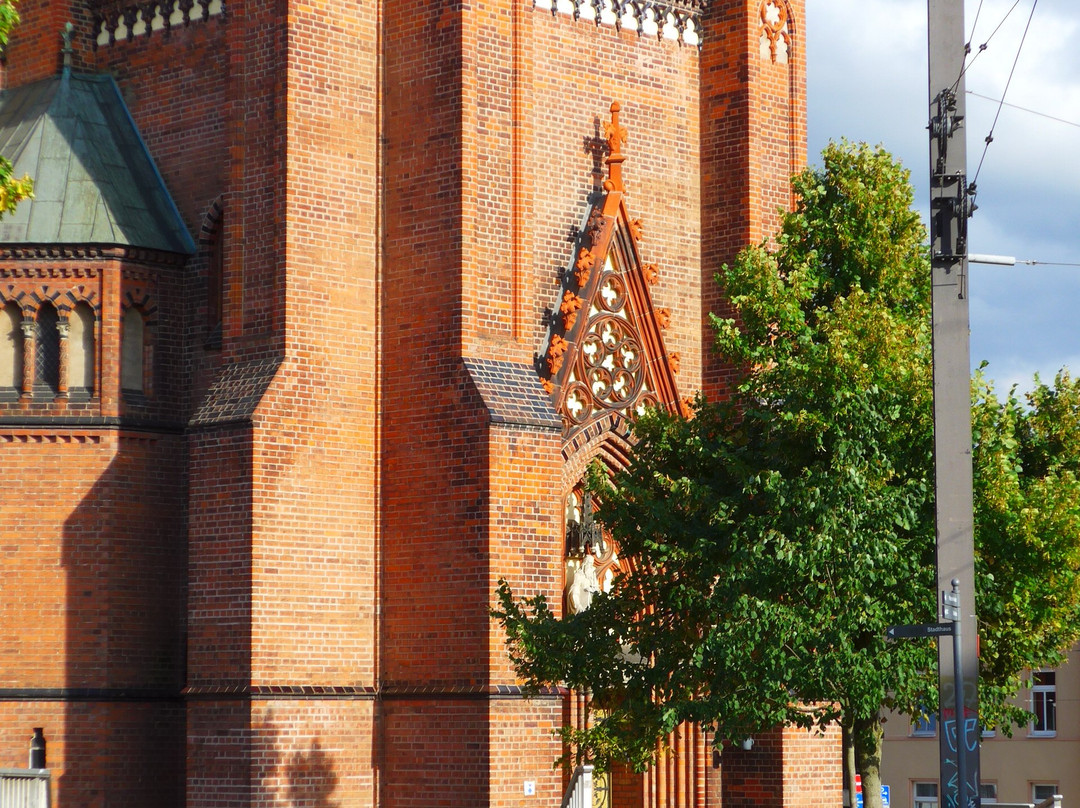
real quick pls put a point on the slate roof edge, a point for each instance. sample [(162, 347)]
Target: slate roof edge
[(528, 408), (188, 241), (499, 420)]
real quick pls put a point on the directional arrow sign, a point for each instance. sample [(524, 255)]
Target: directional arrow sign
[(920, 630)]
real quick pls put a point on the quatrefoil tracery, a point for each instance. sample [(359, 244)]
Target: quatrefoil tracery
[(609, 372)]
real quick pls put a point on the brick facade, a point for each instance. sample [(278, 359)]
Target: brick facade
[(264, 579)]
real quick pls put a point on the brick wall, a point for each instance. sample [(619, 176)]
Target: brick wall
[(34, 50), (434, 578), (577, 70), (786, 768), (753, 123), (91, 610), (311, 753)]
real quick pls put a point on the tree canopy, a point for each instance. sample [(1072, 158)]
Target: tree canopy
[(12, 189), (775, 536)]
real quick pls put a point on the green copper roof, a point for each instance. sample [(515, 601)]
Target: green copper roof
[(94, 181)]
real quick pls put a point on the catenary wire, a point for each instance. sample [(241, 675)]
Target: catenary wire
[(975, 24), (969, 62), (1019, 49), (1024, 109)]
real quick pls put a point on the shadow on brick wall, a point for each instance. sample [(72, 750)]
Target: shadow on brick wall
[(302, 778), (124, 558)]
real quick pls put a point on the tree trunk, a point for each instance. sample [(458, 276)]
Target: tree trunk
[(847, 732), (867, 736)]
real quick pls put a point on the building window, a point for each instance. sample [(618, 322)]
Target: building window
[(131, 352), (925, 795), (212, 247), (81, 351), (215, 280), (925, 726), (1043, 791), (1044, 703), (47, 354), (11, 351), (988, 792)]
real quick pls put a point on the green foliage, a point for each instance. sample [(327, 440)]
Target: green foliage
[(1027, 529), (776, 536), (12, 190), (9, 18)]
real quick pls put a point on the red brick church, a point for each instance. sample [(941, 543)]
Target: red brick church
[(317, 316)]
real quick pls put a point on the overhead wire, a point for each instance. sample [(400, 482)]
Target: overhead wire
[(975, 24), (969, 62), (1024, 109), (990, 137)]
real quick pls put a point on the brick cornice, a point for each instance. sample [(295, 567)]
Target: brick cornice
[(82, 252)]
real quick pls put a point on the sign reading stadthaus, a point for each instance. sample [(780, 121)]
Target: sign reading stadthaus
[(919, 630)]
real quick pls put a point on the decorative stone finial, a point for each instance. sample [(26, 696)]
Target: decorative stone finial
[(66, 50), (616, 136)]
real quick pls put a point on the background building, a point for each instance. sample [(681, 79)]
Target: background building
[(298, 345), (1037, 762)]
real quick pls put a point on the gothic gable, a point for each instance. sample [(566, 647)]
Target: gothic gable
[(605, 360)]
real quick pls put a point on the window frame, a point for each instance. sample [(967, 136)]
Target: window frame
[(925, 727), (47, 351), (1046, 693), (133, 350), (11, 312), (1034, 794), (924, 800)]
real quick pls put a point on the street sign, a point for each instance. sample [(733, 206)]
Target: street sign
[(920, 630), (884, 797)]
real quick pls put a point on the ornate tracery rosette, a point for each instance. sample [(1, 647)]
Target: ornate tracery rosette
[(609, 372)]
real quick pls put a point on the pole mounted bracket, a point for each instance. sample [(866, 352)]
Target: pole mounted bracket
[(944, 125), (953, 200)]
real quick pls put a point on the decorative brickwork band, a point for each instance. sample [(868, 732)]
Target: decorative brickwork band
[(675, 20), (276, 692), (338, 692), (123, 22), (87, 694)]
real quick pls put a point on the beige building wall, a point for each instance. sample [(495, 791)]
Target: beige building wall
[(1013, 764)]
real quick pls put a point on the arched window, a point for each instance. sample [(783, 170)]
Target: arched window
[(591, 557), (215, 282), (131, 351), (212, 248), (81, 351), (11, 351), (47, 353)]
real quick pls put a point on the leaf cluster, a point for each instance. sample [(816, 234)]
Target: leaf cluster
[(12, 190), (1027, 516)]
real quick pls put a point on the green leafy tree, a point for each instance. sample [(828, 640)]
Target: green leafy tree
[(12, 190), (776, 536), (1027, 531)]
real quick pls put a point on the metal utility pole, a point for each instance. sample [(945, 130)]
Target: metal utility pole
[(951, 203)]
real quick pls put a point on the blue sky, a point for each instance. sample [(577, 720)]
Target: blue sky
[(867, 80)]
